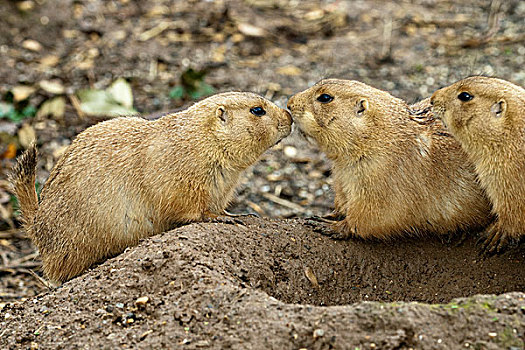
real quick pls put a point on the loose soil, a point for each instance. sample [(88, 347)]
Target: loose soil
[(261, 283)]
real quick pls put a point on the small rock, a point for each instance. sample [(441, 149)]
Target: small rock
[(318, 333), (145, 334), (142, 301), (290, 151), (32, 45), (202, 344), (119, 305), (493, 334), (251, 30)]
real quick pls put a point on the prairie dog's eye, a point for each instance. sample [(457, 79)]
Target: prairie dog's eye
[(465, 96), (258, 111), (325, 98)]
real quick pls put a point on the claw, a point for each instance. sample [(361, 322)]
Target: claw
[(318, 227), (496, 241), (227, 213)]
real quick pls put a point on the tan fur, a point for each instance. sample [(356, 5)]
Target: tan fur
[(396, 171), (129, 178), (491, 129)]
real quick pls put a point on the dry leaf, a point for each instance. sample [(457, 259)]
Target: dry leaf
[(21, 92), (32, 45), (52, 86), (10, 152), (289, 70), (59, 151), (309, 273), (49, 60), (314, 15), (26, 5), (26, 135), (54, 107)]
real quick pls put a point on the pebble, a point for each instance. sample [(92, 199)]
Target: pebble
[(142, 301), (290, 151), (318, 333)]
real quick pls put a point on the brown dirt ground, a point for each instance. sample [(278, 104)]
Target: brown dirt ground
[(274, 284), (250, 285)]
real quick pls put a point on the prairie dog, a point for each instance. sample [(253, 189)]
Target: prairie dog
[(487, 116), (396, 170), (128, 178)]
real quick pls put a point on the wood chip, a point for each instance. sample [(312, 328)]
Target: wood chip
[(308, 272)]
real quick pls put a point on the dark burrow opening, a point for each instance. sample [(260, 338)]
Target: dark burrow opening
[(291, 261)]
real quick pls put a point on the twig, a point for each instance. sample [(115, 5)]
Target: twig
[(284, 202), (9, 234), (76, 104), (27, 258), (256, 207), (153, 32), (26, 265), (387, 41), (494, 16), (40, 279)]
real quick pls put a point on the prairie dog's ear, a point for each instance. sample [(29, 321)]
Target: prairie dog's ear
[(221, 113), (361, 106), (498, 109)]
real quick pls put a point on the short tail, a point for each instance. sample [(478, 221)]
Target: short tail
[(23, 179)]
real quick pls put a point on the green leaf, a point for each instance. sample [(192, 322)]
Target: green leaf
[(202, 90), (102, 103), (5, 108), (29, 111), (121, 92), (177, 92)]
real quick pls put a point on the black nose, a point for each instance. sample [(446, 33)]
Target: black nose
[(431, 102)]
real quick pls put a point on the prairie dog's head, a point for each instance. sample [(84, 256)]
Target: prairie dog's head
[(346, 118), (245, 124), (481, 109)]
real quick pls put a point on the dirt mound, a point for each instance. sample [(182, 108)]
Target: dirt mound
[(261, 284)]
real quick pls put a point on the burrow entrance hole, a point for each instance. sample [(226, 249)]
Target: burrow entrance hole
[(294, 264)]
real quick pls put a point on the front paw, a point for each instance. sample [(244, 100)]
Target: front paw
[(227, 213), (496, 240), (344, 230)]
